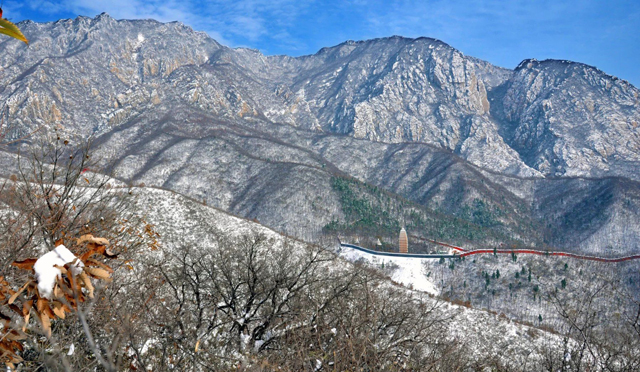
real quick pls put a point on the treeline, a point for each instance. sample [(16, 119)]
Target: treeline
[(595, 306), (371, 211)]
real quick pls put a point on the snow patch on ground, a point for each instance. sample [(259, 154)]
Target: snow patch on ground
[(409, 271)]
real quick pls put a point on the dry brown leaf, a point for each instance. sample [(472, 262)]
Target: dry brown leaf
[(88, 238), (110, 254), (15, 309), (97, 273), (26, 322), (26, 307), (92, 262), (14, 335), (41, 304), (66, 308), (58, 309), (94, 249), (84, 238), (72, 302), (43, 308), (26, 313), (32, 289), (15, 295), (87, 283), (25, 264), (17, 345), (73, 286), (46, 324), (8, 353), (57, 292)]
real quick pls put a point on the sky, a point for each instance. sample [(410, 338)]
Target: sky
[(605, 34)]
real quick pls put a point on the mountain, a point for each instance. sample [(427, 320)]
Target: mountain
[(463, 151)]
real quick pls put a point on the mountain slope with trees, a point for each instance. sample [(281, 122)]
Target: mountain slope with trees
[(262, 136)]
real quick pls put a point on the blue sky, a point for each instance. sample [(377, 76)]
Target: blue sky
[(605, 34)]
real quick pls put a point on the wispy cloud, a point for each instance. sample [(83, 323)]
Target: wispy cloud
[(164, 11), (243, 22), (255, 21)]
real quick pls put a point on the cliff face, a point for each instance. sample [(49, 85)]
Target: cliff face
[(549, 118), (403, 90), (569, 119), (89, 75), (262, 136)]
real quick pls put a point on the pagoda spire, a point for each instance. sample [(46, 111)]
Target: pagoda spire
[(404, 241)]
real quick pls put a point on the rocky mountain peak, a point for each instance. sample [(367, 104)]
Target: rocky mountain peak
[(103, 17), (545, 118), (569, 118)]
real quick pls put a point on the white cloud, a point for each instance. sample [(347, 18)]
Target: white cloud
[(250, 27), (49, 7), (12, 10), (163, 11), (229, 22)]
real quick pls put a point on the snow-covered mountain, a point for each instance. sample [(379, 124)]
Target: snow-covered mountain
[(550, 148)]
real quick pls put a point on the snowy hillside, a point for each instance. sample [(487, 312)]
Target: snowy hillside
[(181, 220), (407, 271)]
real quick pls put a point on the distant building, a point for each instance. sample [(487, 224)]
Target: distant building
[(404, 241), (379, 243)]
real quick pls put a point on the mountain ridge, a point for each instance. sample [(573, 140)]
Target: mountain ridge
[(173, 108)]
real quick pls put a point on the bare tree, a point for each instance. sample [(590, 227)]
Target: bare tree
[(596, 339), (57, 196), (259, 304)]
